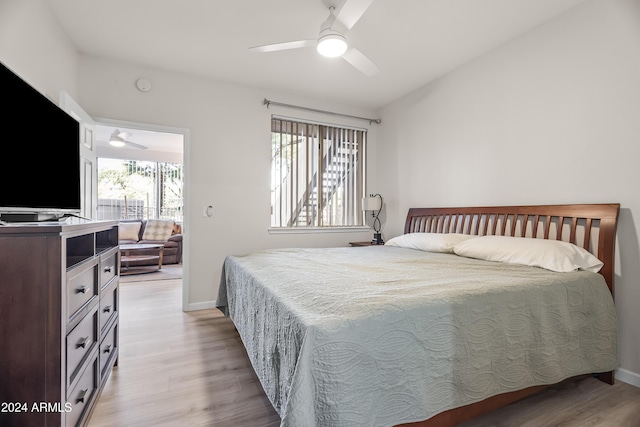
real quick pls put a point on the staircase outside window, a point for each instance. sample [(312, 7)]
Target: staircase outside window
[(133, 189), (317, 175)]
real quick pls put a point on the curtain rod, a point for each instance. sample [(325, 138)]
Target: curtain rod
[(268, 102)]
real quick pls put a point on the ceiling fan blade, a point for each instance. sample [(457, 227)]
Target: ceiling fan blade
[(360, 61), (351, 11), (135, 145), (284, 46)]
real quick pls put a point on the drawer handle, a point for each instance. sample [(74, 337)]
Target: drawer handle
[(108, 349), (107, 309), (108, 269), (81, 396), (82, 343), (81, 290)]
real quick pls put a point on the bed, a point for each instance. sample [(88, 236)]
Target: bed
[(428, 328)]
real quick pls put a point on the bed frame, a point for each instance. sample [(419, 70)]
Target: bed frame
[(591, 226)]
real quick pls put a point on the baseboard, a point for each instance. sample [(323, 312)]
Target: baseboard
[(628, 377), (201, 306)]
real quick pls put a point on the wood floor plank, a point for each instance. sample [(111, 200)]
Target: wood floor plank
[(191, 369)]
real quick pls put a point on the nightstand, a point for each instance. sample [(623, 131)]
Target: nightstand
[(354, 244)]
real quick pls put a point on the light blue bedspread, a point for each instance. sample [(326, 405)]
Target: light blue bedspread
[(378, 336)]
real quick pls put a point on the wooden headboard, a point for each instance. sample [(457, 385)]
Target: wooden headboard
[(591, 226)]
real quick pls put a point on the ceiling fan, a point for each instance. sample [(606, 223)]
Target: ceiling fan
[(331, 41), (118, 139)]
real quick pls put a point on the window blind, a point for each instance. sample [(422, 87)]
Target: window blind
[(317, 174)]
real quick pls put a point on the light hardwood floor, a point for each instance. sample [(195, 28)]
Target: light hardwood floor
[(190, 369), (177, 368)]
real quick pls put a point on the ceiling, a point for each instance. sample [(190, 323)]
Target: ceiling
[(154, 140), (411, 41)]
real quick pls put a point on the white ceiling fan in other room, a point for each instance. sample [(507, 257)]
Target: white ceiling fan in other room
[(332, 41), (118, 139)]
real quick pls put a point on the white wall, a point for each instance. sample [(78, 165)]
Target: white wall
[(33, 45), (552, 117)]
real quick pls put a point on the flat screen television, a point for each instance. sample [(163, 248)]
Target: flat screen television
[(40, 175)]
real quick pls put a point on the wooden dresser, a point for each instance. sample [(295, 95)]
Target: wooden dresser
[(58, 320)]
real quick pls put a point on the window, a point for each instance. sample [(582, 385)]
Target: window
[(317, 174), (129, 189)]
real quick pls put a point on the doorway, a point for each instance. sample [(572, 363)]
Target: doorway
[(156, 170)]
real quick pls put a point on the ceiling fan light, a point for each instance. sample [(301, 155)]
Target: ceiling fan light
[(332, 45), (116, 140)]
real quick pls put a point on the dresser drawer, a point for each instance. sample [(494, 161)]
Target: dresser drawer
[(81, 286), (108, 351), (108, 266), (108, 305), (82, 394), (81, 342)]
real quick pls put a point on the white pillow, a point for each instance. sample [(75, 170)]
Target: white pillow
[(552, 255), (129, 230), (429, 242)]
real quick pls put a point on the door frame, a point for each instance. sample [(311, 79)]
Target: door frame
[(88, 165)]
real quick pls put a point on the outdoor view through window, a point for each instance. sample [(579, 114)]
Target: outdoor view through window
[(130, 189)]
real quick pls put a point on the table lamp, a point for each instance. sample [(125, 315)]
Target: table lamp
[(373, 203)]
